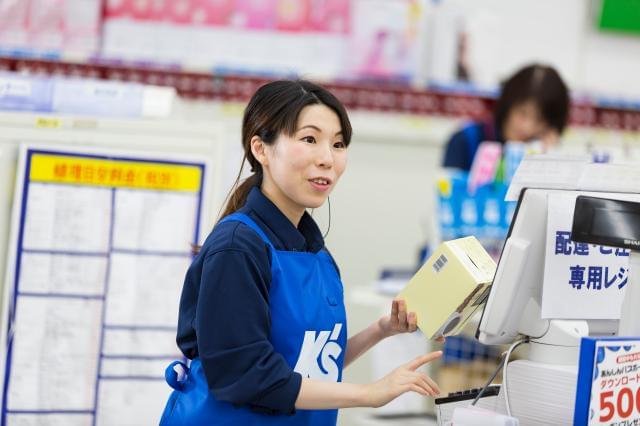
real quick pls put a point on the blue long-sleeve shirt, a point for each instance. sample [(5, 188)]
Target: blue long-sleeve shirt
[(224, 313), (463, 145)]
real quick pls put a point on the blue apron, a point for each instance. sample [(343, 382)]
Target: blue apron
[(308, 327)]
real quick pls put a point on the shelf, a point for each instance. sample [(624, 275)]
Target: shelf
[(363, 96)]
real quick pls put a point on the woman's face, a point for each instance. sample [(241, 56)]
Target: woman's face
[(525, 123), (301, 170)]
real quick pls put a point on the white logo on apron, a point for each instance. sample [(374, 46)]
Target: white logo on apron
[(322, 350)]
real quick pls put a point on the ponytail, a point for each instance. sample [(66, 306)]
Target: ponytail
[(238, 196)]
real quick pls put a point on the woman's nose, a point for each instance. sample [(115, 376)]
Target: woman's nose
[(325, 157)]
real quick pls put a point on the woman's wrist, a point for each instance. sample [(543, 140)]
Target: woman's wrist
[(383, 326), (361, 396)]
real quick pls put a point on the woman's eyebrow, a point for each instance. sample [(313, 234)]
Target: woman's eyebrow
[(311, 126)]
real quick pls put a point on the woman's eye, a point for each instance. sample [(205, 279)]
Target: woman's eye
[(309, 139), (340, 145)]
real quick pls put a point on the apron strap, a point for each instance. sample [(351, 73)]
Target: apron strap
[(243, 218), (174, 378)]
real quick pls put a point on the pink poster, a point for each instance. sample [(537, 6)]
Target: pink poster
[(51, 26), (13, 23), (46, 24), (330, 16), (179, 12), (214, 12), (122, 8), (254, 14), (291, 15), (82, 25)]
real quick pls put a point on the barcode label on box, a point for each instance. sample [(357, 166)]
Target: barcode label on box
[(440, 263)]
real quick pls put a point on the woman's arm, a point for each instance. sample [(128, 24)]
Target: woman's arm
[(318, 395), (398, 322)]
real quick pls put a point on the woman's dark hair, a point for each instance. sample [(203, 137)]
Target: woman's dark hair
[(274, 110), (540, 84)]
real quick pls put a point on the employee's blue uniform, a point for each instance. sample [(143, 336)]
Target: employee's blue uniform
[(262, 306), (463, 145)]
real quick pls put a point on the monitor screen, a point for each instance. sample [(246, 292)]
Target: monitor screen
[(514, 303), (609, 222)]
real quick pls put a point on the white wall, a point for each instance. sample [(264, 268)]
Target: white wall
[(506, 35), (610, 65)]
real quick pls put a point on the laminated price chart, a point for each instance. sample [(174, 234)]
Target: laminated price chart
[(608, 391), (100, 246)]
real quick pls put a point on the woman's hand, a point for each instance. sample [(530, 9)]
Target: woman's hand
[(400, 321), (401, 380)]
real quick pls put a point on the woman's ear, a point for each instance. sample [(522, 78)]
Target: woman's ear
[(258, 149)]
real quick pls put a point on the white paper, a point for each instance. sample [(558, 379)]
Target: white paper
[(124, 403), (66, 217), (154, 220), (83, 304), (546, 171), (63, 274), (568, 295), (139, 342), (55, 354), (611, 177), (50, 420), (147, 367), (144, 289), (555, 171)]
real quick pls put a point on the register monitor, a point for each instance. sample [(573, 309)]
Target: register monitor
[(513, 305)]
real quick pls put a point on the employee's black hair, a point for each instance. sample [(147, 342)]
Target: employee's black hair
[(538, 83)]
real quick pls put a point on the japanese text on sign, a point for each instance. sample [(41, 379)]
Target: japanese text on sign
[(112, 173)]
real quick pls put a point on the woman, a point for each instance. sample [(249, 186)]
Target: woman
[(261, 314), (533, 105)]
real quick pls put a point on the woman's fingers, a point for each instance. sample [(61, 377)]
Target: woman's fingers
[(431, 383), (412, 322), (423, 359), (401, 320), (394, 313), (402, 313), (419, 389), (420, 380)]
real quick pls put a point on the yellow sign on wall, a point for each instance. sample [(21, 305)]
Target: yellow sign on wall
[(114, 173)]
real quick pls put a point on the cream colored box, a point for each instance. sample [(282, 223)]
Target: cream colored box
[(450, 287)]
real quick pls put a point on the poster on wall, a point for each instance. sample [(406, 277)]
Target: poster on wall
[(386, 39), (50, 27), (269, 36), (328, 16), (355, 39), (100, 245)]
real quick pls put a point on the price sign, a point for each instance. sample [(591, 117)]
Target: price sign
[(608, 390)]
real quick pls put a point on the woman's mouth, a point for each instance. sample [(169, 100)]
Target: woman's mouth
[(320, 183)]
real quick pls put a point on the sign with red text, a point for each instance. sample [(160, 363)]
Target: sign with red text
[(608, 391)]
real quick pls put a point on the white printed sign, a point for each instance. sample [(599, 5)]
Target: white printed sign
[(581, 281), (100, 246)]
